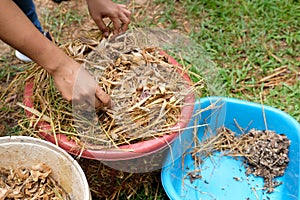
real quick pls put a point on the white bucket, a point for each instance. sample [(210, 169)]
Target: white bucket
[(17, 151)]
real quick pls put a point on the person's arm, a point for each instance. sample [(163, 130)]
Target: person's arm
[(17, 31), (117, 13)]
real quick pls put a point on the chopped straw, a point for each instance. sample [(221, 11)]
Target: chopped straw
[(147, 91)]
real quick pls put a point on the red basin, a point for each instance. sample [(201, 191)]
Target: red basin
[(132, 151)]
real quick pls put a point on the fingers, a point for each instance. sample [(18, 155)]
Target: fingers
[(86, 92), (120, 24), (125, 21), (88, 102), (120, 20), (125, 10), (102, 99), (117, 25), (124, 17), (102, 27)]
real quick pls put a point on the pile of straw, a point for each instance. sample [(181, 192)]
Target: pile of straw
[(147, 92)]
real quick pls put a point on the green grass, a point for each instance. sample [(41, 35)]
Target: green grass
[(9, 113), (247, 40), (59, 20)]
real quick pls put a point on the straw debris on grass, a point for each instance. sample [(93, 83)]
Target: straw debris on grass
[(108, 183), (264, 152)]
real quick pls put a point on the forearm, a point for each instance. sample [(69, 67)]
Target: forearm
[(17, 31), (69, 76)]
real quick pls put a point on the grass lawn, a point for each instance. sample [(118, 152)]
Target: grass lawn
[(254, 45)]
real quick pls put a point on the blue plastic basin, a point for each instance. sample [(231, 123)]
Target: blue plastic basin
[(223, 177)]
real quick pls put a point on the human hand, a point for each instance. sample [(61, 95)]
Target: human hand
[(117, 13), (74, 83), (77, 85)]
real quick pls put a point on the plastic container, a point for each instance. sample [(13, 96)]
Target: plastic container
[(219, 172), (143, 156), (17, 151)]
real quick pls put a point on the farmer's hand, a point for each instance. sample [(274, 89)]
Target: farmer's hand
[(78, 86), (118, 14)]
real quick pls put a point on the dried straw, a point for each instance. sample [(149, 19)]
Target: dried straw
[(148, 95), (108, 183)]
